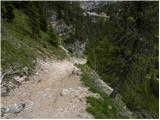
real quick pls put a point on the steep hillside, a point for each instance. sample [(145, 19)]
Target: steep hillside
[(118, 41), (124, 52), (20, 50)]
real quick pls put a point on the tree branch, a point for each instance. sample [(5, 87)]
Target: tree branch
[(7, 73)]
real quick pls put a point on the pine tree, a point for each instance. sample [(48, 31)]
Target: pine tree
[(34, 18), (8, 11), (43, 17), (127, 54)]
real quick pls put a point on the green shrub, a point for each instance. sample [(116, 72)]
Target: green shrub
[(103, 107)]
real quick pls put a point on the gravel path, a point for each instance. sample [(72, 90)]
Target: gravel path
[(53, 92)]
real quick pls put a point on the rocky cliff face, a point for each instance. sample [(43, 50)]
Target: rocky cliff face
[(59, 26), (90, 5), (62, 29), (76, 46)]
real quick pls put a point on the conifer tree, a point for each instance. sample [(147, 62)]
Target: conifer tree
[(8, 11), (34, 18)]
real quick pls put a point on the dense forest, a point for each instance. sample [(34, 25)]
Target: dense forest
[(126, 54), (122, 49)]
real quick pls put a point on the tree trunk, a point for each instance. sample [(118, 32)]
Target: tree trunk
[(122, 79), (116, 90), (120, 84)]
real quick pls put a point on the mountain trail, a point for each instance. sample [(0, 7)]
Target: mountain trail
[(53, 92)]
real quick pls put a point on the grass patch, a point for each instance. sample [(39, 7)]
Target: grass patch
[(100, 108), (103, 108), (20, 49), (85, 68)]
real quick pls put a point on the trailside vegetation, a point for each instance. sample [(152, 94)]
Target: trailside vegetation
[(122, 49), (125, 54)]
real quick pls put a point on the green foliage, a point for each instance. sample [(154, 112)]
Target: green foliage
[(16, 57), (34, 19), (73, 15), (126, 43), (38, 21), (43, 19), (100, 108), (7, 11), (103, 107), (124, 51), (131, 20), (15, 37), (87, 81), (54, 40), (85, 68), (20, 49), (86, 77)]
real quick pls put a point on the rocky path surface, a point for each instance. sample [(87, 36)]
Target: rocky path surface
[(53, 92)]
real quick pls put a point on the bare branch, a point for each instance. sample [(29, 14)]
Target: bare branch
[(10, 72)]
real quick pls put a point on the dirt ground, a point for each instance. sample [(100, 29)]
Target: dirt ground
[(53, 92)]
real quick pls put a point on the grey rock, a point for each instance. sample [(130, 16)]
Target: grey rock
[(90, 5), (76, 71), (20, 79), (13, 84), (29, 104), (64, 92), (2, 111), (15, 108), (61, 28), (78, 47), (4, 91), (46, 96)]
